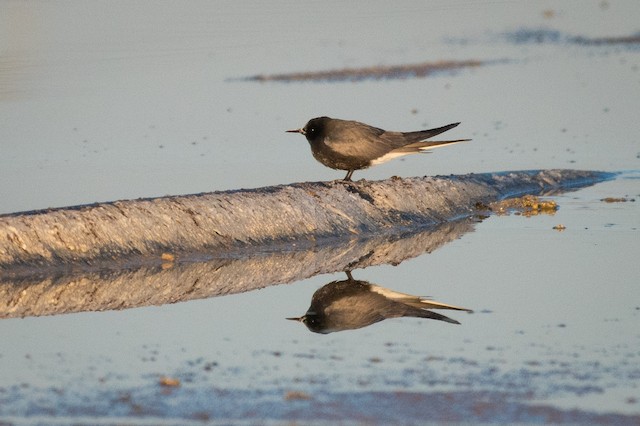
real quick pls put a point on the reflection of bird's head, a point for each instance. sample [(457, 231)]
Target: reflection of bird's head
[(312, 321)]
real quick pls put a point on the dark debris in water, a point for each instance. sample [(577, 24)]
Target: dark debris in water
[(633, 39), (541, 36), (617, 199)]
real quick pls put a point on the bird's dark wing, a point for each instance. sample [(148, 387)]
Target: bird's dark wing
[(351, 138), (355, 139), (414, 140), (421, 135)]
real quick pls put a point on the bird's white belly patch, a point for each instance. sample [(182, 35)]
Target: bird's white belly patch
[(390, 156)]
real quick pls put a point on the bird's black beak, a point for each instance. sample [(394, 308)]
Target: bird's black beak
[(301, 131), (299, 319)]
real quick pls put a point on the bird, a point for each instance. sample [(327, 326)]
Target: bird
[(351, 304), (351, 145)]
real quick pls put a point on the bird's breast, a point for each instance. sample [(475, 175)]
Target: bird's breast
[(336, 160)]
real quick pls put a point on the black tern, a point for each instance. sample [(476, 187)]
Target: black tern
[(351, 145), (352, 304)]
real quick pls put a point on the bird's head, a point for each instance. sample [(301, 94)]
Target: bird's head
[(314, 129)]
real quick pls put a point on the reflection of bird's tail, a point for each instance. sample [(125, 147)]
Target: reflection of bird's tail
[(432, 304), (415, 301)]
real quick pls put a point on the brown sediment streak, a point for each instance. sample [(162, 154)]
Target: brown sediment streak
[(374, 72)]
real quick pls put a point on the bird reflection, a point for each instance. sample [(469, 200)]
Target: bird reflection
[(350, 304)]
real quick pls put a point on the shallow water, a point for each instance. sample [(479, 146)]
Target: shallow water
[(99, 103)]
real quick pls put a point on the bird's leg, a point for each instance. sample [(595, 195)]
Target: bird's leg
[(349, 276), (348, 176)]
